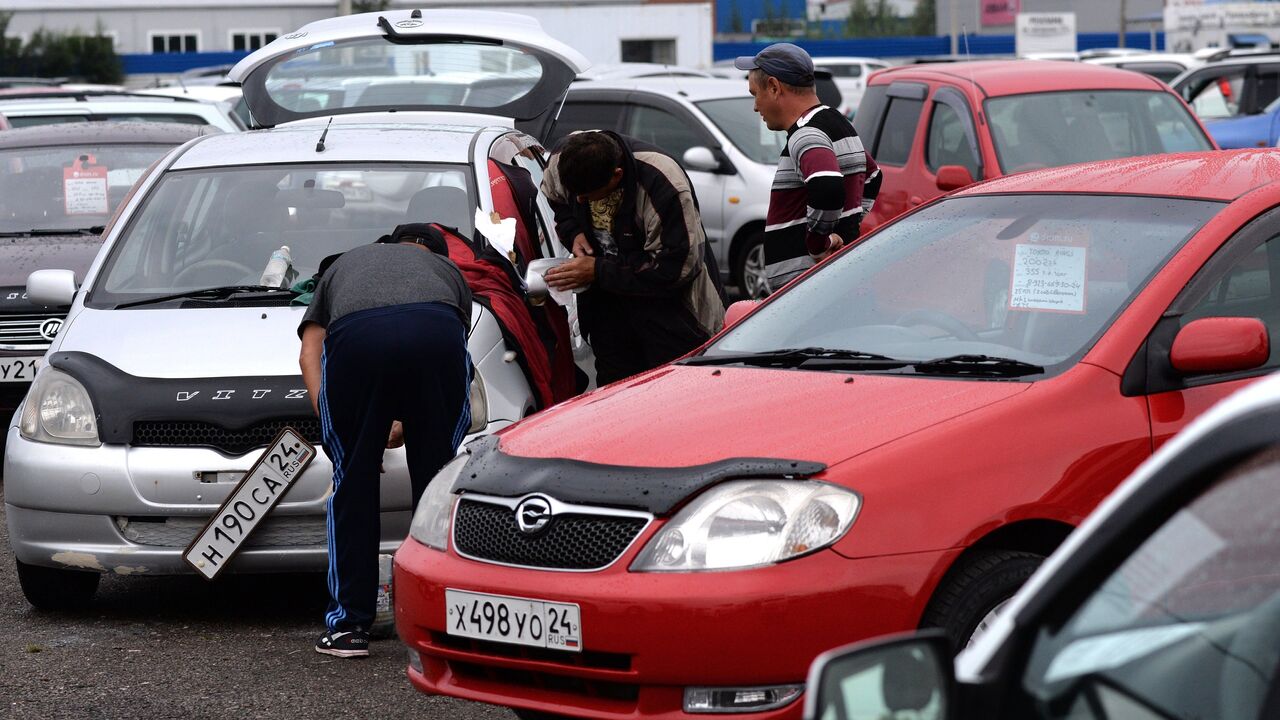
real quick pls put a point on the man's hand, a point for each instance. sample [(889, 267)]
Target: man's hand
[(576, 273), (396, 438), (834, 243), (581, 246)]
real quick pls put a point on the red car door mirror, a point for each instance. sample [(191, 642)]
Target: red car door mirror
[(736, 311), (1220, 344), (953, 177)]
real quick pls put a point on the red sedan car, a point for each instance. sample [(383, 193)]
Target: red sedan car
[(895, 440), (937, 127)]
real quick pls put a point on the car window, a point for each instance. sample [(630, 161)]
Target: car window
[(516, 192), (948, 144), (1186, 627), (1036, 278), (898, 131), (21, 121), (1248, 288), (663, 129), (1216, 94), (1161, 71), (1266, 86), (213, 227), (843, 71), (1039, 130), (575, 116), (867, 120), (737, 119)]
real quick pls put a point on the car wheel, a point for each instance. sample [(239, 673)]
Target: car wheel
[(56, 589), (973, 594), (748, 268)]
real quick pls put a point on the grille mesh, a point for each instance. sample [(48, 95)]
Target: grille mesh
[(152, 433), (572, 541), (287, 531)]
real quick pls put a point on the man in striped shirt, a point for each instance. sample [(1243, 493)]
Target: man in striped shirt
[(825, 180)]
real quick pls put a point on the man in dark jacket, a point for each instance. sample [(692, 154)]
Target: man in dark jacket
[(630, 215)]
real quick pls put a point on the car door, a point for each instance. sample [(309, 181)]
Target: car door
[(671, 127), (952, 138), (1241, 280), (893, 132)]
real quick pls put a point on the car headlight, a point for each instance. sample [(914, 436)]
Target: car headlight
[(479, 404), (747, 523), (435, 508), (57, 409)]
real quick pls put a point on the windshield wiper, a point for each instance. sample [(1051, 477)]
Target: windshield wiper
[(214, 293), (95, 230), (809, 357), (977, 366)]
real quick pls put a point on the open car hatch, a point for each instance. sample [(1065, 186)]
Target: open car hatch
[(485, 62)]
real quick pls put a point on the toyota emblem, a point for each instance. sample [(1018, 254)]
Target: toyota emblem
[(533, 514), (49, 328)]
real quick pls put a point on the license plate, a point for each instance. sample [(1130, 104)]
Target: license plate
[(257, 494), (519, 621), (21, 369)]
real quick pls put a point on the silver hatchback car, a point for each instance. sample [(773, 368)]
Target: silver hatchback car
[(176, 365)]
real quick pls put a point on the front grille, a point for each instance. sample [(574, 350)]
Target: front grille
[(587, 540), (178, 433), (623, 693), (584, 659), (286, 531), (24, 329)]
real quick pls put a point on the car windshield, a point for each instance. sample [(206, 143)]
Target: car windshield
[(1029, 278), (21, 121), (213, 228), (71, 187), (374, 73), (1050, 129), (737, 118)]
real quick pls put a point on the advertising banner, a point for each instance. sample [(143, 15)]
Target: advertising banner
[(1045, 33), (1000, 12)]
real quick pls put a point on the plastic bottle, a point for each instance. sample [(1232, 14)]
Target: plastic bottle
[(384, 617), (278, 269)]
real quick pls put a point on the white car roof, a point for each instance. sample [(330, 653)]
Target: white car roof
[(132, 106), (619, 71), (345, 142), (692, 89), (200, 93), (848, 60), (1178, 58)]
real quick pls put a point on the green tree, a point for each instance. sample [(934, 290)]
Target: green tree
[(860, 22), (735, 17), (924, 21)]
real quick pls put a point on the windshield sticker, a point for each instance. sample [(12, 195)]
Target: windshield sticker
[(1048, 277), (84, 189)]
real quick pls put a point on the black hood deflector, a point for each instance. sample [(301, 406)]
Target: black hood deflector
[(656, 490), (234, 403)]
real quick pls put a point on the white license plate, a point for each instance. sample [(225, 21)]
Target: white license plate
[(519, 621), (257, 494), (18, 369)]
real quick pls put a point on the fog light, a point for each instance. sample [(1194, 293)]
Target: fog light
[(415, 661), (737, 700)]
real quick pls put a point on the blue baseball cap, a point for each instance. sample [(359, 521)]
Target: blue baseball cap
[(788, 63)]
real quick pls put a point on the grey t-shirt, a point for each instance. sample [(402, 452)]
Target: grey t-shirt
[(381, 275)]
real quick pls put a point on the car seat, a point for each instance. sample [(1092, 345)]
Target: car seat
[(1042, 133), (251, 223), (444, 204)]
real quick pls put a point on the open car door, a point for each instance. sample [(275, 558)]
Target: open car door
[(472, 61)]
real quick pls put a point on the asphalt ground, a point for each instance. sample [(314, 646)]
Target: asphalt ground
[(181, 647)]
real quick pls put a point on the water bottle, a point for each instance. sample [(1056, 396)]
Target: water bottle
[(279, 267), (384, 617)]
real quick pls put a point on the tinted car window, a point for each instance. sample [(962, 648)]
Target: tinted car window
[(1248, 289), (663, 129), (898, 131), (843, 71), (947, 143), (1216, 93), (577, 116), (1266, 86), (1161, 71), (1187, 626), (736, 118), (867, 119)]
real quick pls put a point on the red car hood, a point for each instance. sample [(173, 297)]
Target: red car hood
[(678, 416)]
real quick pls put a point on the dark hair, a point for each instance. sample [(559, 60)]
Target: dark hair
[(587, 161)]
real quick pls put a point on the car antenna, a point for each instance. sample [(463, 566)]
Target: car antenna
[(672, 77), (183, 86), (323, 135)]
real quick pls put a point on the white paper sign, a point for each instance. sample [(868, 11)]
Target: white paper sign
[(86, 195), (500, 233), (1048, 277)]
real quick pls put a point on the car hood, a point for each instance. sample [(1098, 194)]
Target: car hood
[(21, 256), (696, 415)]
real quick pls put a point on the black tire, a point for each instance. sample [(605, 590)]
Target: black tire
[(56, 589), (739, 270), (535, 715), (974, 588)]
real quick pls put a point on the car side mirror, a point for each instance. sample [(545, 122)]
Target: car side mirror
[(954, 177), (1220, 344), (739, 310), (909, 673), (51, 288), (701, 158)]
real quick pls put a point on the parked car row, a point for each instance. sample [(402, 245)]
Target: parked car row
[(896, 440)]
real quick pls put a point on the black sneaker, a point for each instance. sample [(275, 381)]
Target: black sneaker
[(346, 644)]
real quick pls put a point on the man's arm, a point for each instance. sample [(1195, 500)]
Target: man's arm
[(313, 336), (815, 158), (674, 238)]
